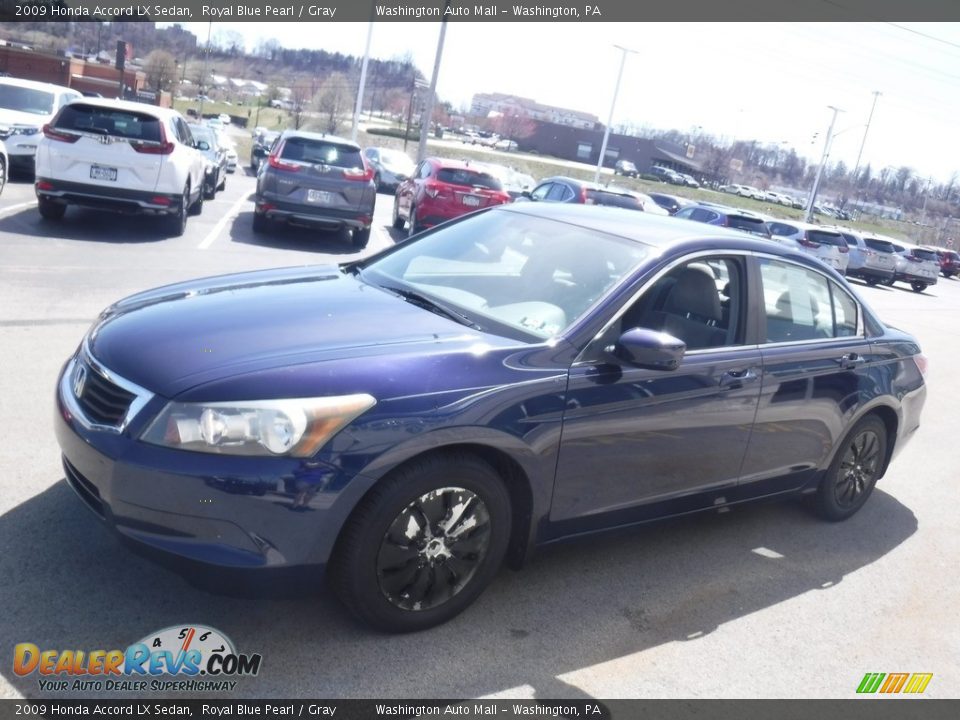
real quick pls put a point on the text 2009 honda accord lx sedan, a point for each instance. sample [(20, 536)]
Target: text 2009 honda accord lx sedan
[(407, 423)]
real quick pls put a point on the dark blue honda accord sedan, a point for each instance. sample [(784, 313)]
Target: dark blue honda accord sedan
[(407, 423)]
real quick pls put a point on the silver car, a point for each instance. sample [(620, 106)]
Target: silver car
[(824, 243), (917, 266), (870, 259), (390, 167), (316, 180)]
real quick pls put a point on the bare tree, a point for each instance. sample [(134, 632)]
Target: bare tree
[(160, 69), (334, 99)]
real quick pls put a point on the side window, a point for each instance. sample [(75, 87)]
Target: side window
[(700, 303), (559, 192), (686, 213), (845, 312), (540, 192), (702, 215), (799, 306), (186, 136)]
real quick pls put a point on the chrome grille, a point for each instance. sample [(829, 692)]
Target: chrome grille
[(101, 400)]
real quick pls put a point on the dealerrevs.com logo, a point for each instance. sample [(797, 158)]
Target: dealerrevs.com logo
[(179, 658)]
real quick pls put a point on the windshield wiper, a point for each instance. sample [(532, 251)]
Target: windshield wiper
[(428, 303)]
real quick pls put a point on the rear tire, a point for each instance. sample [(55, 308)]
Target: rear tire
[(423, 544), (3, 175), (260, 223), (397, 220), (361, 238), (918, 287), (872, 281), (197, 207), (176, 222), (50, 210), (412, 228), (854, 471)]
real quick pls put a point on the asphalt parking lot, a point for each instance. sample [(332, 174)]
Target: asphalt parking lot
[(762, 601)]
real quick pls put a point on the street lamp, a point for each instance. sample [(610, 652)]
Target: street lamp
[(613, 104), (808, 215)]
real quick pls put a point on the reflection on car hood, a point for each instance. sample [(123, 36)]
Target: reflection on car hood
[(180, 336)]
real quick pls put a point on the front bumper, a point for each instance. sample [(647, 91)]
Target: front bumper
[(203, 515)]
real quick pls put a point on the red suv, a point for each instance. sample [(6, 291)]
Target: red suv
[(441, 190), (949, 262)]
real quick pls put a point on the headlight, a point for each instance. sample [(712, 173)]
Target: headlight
[(295, 427), (24, 130)]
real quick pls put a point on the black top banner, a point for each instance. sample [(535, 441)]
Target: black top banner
[(465, 10)]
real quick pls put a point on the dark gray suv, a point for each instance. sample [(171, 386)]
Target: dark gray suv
[(316, 180)]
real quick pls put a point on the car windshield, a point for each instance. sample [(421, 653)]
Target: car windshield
[(109, 121), (321, 152), (200, 132), (523, 277), (394, 158), (27, 100), (469, 178)]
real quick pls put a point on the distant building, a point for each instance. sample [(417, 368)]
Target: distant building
[(499, 104)]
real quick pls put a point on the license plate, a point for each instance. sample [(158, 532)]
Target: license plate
[(98, 172), (319, 196), (471, 200)]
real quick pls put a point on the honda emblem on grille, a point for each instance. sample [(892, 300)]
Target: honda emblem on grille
[(79, 380)]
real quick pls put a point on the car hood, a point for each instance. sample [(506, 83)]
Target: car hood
[(182, 336), (15, 117)]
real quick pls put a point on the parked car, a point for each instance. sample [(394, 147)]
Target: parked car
[(869, 259), (570, 190), (822, 242), (25, 107), (120, 156), (262, 142), (215, 169), (726, 217), (514, 183), (689, 180), (224, 118), (442, 189), (671, 203), (665, 174), (625, 168), (390, 167), (418, 418), (949, 261), (506, 145), (316, 180), (4, 166), (918, 267), (648, 204), (230, 148)]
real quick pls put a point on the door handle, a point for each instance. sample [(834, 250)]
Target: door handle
[(733, 379), (851, 361)]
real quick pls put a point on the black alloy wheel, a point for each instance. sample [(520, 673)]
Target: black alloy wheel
[(177, 220), (854, 471), (397, 220), (413, 229), (424, 544), (50, 210), (918, 287)]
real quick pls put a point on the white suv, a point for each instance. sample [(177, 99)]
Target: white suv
[(25, 106), (121, 156)]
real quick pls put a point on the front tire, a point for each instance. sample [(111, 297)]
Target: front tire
[(424, 544), (918, 287), (413, 228), (854, 471)]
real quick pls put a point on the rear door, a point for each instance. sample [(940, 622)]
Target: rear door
[(113, 147), (322, 173), (816, 365)]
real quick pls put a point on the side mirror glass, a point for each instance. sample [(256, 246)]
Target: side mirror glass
[(649, 349), (202, 145)]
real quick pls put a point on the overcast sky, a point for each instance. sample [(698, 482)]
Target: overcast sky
[(766, 81)]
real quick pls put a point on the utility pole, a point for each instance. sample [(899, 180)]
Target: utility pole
[(613, 104), (363, 81), (876, 94), (428, 111), (808, 216), (203, 77)]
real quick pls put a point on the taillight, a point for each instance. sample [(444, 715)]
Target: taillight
[(277, 164), (922, 362), (44, 185), (363, 174), (160, 200), (583, 197), (434, 190), (808, 243), (911, 258), (53, 134), (844, 249)]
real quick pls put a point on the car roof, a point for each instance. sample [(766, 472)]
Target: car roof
[(114, 104), (36, 85), (306, 134), (456, 164)]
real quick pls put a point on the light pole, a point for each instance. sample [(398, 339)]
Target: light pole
[(876, 94), (203, 76), (613, 104), (428, 110), (363, 81), (808, 215)]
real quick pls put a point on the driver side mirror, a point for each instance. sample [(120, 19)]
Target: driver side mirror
[(202, 145), (649, 349), (527, 195)]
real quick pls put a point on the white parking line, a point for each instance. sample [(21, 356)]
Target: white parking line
[(222, 223), (18, 206)]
